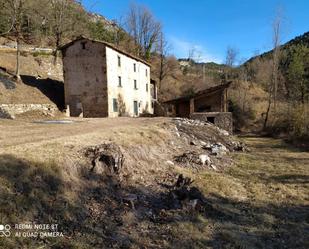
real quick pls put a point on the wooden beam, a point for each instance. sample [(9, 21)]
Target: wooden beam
[(191, 106)]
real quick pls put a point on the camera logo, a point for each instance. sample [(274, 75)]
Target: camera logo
[(5, 230)]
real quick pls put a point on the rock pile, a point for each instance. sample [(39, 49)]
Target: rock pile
[(209, 146)]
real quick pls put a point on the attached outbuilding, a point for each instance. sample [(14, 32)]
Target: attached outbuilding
[(208, 105)]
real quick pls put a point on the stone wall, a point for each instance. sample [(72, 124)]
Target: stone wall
[(85, 86), (10, 110), (223, 120)]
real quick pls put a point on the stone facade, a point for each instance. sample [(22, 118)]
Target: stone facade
[(10, 110), (223, 120), (103, 81)]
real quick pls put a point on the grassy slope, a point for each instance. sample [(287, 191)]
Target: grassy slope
[(260, 202), (45, 89)]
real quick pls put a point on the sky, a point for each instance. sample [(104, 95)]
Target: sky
[(210, 26)]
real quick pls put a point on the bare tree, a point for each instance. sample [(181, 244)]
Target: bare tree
[(194, 55), (144, 29), (163, 48), (191, 53), (57, 19), (63, 19), (273, 84), (16, 10), (230, 61), (231, 56)]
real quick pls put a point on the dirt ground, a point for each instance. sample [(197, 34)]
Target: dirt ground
[(23, 132), (259, 201)]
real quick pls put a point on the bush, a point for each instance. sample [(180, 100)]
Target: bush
[(292, 122), (240, 117)]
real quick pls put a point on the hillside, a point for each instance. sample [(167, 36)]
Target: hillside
[(297, 41), (286, 86), (208, 68), (41, 79)]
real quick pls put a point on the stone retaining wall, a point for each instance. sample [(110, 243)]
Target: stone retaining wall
[(10, 110), (223, 120)]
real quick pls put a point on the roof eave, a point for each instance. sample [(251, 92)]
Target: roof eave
[(62, 48)]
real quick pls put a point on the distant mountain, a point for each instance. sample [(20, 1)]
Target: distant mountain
[(208, 67)]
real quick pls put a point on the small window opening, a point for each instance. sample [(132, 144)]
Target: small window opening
[(119, 81), (119, 61), (83, 45), (134, 67), (211, 119)]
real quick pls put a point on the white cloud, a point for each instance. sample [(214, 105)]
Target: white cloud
[(182, 48)]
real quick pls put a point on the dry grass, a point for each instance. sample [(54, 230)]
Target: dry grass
[(260, 202)]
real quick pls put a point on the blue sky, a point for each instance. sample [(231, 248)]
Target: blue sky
[(211, 26)]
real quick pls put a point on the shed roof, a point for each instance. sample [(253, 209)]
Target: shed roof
[(112, 46), (201, 93)]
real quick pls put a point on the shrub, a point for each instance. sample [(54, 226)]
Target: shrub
[(240, 117), (292, 121)]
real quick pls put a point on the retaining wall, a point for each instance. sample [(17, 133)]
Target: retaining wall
[(223, 120), (10, 110)]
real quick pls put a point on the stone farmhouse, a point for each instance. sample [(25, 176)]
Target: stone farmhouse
[(208, 105), (100, 80)]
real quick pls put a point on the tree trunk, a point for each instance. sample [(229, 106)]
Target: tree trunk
[(17, 73), (58, 38), (161, 71), (267, 112)]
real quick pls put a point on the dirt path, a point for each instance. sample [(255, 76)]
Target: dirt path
[(17, 132)]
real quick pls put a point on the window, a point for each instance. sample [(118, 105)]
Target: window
[(134, 67), (115, 105), (119, 61), (135, 84), (146, 72), (146, 87), (119, 81)]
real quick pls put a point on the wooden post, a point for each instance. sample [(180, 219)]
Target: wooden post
[(222, 102), (191, 106), (225, 100)]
